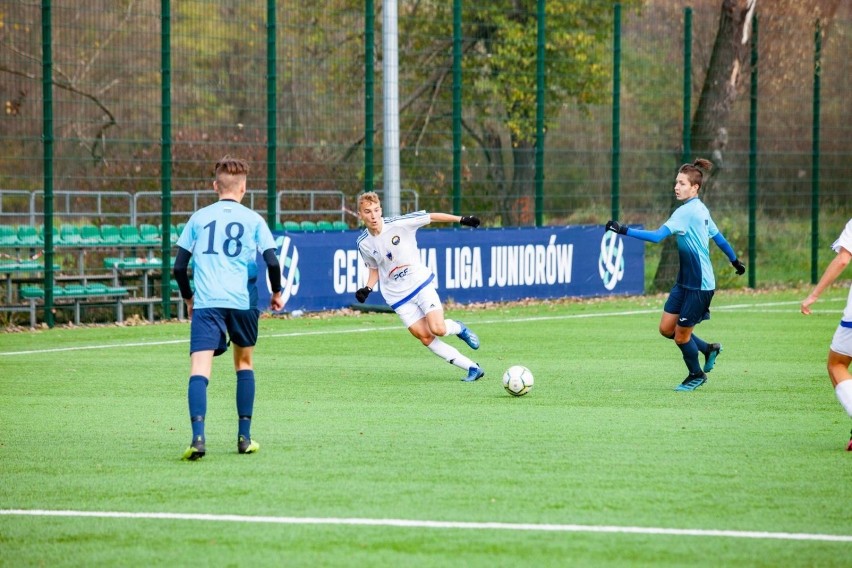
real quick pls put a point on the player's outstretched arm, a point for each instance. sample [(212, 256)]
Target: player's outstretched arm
[(726, 248), (642, 235), (466, 220), (832, 271)]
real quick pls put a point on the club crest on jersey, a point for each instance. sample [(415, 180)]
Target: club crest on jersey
[(395, 240)]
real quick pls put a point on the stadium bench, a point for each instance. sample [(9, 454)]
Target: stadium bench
[(75, 295)]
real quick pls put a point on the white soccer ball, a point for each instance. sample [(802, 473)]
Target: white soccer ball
[(517, 380)]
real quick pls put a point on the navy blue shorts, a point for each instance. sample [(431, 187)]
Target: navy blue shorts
[(691, 306), (216, 328)]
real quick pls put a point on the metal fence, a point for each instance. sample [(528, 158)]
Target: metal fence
[(147, 94)]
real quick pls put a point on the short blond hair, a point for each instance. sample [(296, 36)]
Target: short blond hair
[(370, 197)]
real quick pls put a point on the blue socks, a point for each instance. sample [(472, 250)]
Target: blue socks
[(197, 397), (245, 401), (690, 356), (700, 344)]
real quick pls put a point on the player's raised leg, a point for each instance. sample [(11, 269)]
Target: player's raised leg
[(710, 351), (841, 378)]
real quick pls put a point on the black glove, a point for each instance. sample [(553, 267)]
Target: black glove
[(615, 227), (470, 221), (362, 294), (738, 266)]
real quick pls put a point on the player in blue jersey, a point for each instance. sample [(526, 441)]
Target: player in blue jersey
[(688, 303), (840, 352), (389, 249), (223, 241)]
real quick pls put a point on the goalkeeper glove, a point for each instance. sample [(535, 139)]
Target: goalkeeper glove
[(615, 227), (361, 295), (738, 266), (470, 221)]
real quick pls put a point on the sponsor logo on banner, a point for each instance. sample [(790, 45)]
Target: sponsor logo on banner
[(288, 259), (611, 260)]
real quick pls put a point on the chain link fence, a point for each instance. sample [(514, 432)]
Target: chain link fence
[(299, 112)]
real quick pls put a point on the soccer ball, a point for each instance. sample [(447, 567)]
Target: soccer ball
[(517, 380)]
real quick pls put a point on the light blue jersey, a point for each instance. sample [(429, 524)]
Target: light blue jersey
[(224, 239), (693, 226)]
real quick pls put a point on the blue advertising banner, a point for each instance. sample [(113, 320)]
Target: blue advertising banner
[(323, 270)]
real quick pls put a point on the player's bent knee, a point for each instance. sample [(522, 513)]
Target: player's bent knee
[(438, 330)]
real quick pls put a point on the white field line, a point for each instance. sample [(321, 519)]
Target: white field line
[(422, 524), (760, 308)]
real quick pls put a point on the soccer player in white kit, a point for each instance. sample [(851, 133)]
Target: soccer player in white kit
[(840, 352), (389, 249)]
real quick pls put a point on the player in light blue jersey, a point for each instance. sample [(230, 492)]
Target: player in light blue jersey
[(689, 300), (223, 241), (388, 247)]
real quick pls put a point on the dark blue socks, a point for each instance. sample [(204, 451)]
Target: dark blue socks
[(700, 344), (197, 396), (245, 401), (690, 356)]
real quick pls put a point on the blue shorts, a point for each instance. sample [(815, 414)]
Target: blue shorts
[(691, 306), (210, 325)]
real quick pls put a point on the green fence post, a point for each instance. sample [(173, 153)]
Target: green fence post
[(271, 118), (166, 152), (687, 86), (815, 157), (616, 110), (457, 103), (539, 116), (369, 93), (752, 161), (47, 125)]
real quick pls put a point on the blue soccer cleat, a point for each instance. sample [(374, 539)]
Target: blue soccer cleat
[(196, 449), (710, 356), (474, 374), (468, 336), (692, 382)]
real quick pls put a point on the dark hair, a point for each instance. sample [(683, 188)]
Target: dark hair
[(232, 166), (696, 170)]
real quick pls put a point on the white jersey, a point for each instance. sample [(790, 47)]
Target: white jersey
[(845, 241), (394, 253)]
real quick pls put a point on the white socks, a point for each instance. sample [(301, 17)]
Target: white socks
[(843, 390), (453, 327), (453, 356)]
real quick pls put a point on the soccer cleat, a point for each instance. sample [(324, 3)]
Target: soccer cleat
[(692, 382), (474, 374), (849, 445), (196, 450), (468, 337), (710, 356), (247, 445)]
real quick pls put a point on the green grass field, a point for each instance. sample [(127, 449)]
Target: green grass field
[(373, 453)]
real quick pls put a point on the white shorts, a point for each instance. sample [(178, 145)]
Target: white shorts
[(842, 341), (416, 308)]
